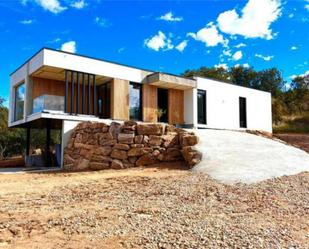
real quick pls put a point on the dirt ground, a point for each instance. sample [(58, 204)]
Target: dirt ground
[(151, 208), (299, 140)]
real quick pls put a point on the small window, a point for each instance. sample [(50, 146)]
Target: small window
[(201, 107), (19, 102), (242, 112), (135, 101)]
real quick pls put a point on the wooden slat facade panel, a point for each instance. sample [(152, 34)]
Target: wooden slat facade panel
[(175, 106), (150, 103), (120, 99), (43, 86)]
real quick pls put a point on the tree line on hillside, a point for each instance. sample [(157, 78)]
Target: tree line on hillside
[(288, 99)]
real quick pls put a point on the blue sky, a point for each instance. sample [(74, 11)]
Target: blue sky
[(169, 36)]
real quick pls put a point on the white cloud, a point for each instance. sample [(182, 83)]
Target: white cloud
[(294, 48), (159, 41), (69, 46), (53, 6), (240, 45), (222, 65), (209, 35), (245, 65), (120, 50), (227, 52), (291, 15), (169, 17), (79, 4), (237, 55), (307, 5), (264, 57), (181, 46), (27, 21), (299, 75), (254, 21), (102, 22)]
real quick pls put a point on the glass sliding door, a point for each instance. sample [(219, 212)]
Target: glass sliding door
[(19, 102), (135, 101), (201, 107)]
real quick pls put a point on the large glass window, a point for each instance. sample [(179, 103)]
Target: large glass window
[(201, 107), (19, 102), (135, 101)]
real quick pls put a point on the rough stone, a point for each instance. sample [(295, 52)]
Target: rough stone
[(139, 151), (98, 166), (126, 138), (138, 139), (117, 164), (146, 159), (121, 147), (170, 140), (155, 140), (132, 159), (188, 139), (114, 129), (119, 154), (150, 129), (191, 155), (104, 150)]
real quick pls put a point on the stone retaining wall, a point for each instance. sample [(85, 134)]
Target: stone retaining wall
[(97, 146)]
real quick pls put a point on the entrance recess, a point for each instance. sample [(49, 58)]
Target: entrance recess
[(104, 100), (163, 104)]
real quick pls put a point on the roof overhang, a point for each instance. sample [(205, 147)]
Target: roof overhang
[(171, 81)]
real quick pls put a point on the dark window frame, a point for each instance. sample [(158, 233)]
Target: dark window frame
[(204, 92), (140, 115), (243, 112)]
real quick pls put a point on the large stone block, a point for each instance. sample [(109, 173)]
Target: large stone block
[(150, 129), (146, 159), (139, 151), (191, 155), (121, 146), (155, 140), (98, 166), (117, 164), (103, 150), (114, 129), (187, 139), (126, 138), (119, 154)]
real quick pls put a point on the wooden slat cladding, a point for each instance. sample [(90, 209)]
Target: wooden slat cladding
[(46, 86), (120, 99), (150, 103), (175, 106), (43, 86)]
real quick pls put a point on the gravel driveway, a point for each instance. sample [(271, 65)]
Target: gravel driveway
[(231, 157)]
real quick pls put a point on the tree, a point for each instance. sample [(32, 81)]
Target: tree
[(12, 141), (219, 73), (244, 76)]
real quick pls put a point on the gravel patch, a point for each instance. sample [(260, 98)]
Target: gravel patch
[(177, 209)]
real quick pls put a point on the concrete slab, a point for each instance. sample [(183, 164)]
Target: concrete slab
[(232, 157)]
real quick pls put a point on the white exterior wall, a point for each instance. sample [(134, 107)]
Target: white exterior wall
[(223, 106), (93, 66)]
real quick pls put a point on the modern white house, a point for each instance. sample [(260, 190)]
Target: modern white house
[(56, 90)]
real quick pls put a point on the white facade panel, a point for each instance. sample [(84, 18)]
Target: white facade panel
[(92, 66), (223, 106)]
